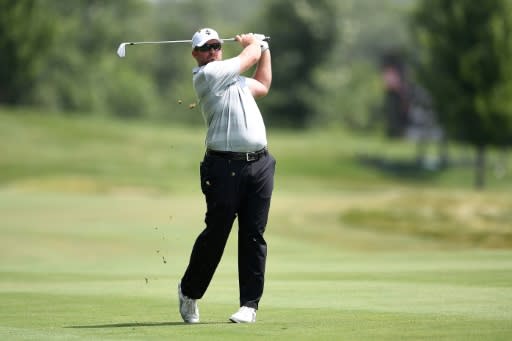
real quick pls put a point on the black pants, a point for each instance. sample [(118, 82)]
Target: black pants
[(233, 188)]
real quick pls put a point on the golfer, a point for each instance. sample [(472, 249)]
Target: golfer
[(237, 172)]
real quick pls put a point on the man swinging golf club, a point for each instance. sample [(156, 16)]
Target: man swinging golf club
[(237, 172)]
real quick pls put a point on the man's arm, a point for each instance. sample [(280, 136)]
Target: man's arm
[(262, 78), (259, 84), (251, 52)]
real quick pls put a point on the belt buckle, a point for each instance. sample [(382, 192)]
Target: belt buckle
[(251, 157)]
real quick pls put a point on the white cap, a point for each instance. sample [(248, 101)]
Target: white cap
[(203, 35)]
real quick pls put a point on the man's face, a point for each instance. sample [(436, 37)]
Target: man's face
[(209, 52)]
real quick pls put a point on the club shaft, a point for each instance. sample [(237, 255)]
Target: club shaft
[(121, 51), (168, 41)]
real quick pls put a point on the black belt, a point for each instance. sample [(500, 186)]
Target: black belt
[(239, 156)]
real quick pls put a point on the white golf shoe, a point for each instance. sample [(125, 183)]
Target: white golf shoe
[(244, 315), (188, 307)]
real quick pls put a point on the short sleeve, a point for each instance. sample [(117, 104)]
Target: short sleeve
[(221, 74)]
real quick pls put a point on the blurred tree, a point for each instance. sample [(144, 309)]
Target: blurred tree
[(82, 73), (25, 35), (347, 87), (171, 67), (466, 64), (320, 75), (370, 29), (303, 32)]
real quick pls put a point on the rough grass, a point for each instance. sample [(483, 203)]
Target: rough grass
[(456, 216)]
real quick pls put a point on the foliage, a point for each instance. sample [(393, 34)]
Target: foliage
[(349, 82), (466, 63), (369, 29), (302, 32), (26, 32), (81, 73), (324, 68)]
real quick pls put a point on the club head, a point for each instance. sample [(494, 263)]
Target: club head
[(121, 50)]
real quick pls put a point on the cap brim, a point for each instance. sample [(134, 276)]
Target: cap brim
[(207, 40)]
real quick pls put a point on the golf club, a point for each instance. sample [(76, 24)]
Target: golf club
[(121, 50)]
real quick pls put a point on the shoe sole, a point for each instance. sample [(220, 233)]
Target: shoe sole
[(239, 321)]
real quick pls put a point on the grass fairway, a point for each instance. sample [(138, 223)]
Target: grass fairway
[(106, 267), (97, 220)]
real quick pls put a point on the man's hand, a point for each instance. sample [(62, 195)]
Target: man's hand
[(263, 44), (251, 38), (251, 54), (246, 39), (260, 37)]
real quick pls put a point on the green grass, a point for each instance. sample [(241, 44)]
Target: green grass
[(92, 267), (98, 218), (97, 154)]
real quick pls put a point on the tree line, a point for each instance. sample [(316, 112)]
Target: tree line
[(60, 56)]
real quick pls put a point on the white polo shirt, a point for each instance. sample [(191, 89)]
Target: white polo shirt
[(231, 114)]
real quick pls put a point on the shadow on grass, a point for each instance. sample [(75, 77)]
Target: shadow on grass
[(404, 169), (139, 324)]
